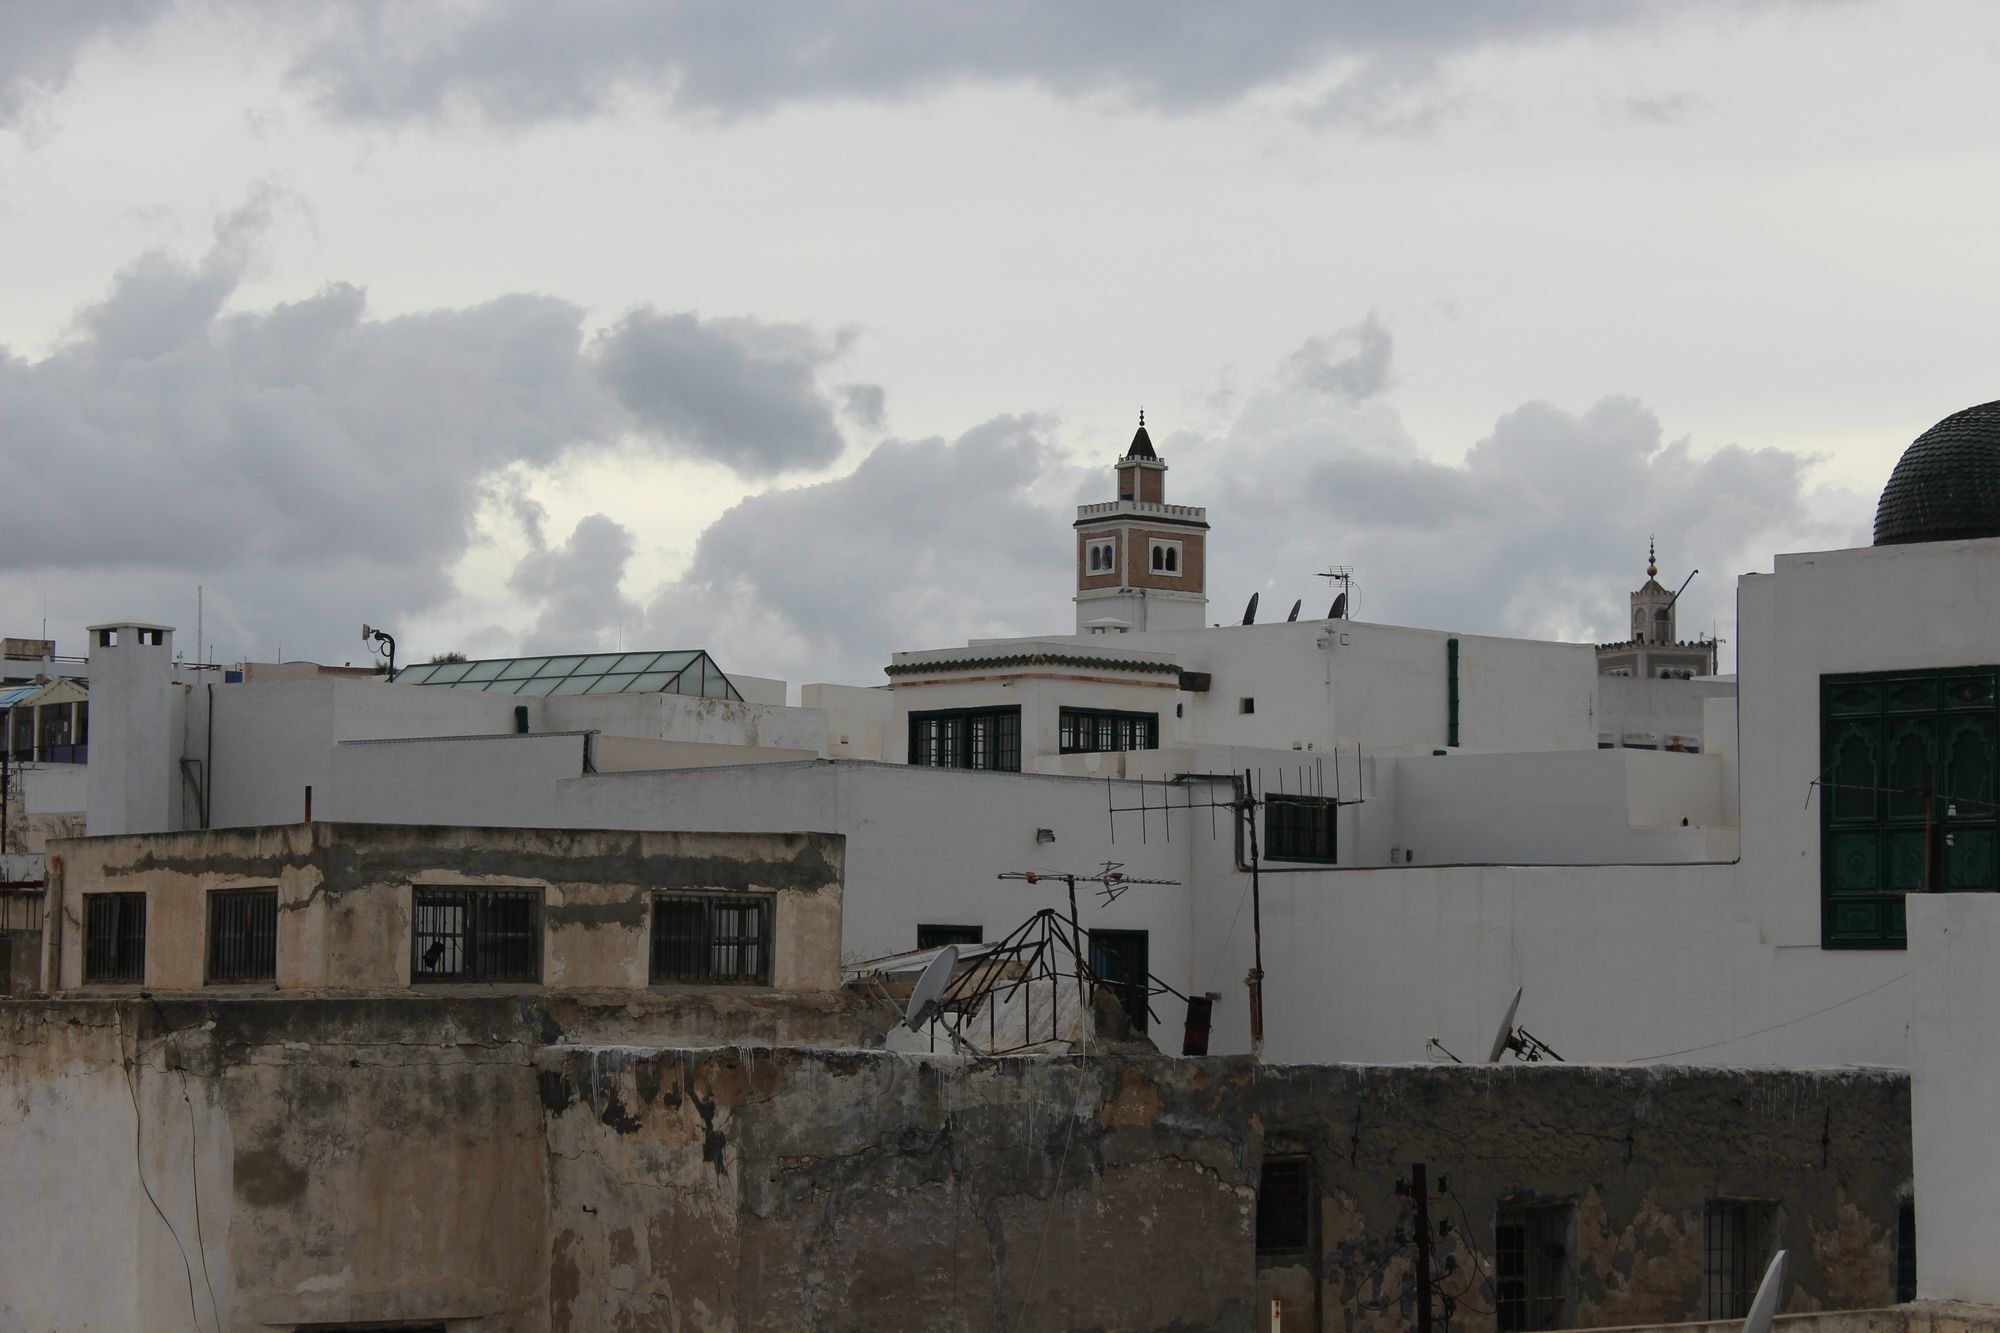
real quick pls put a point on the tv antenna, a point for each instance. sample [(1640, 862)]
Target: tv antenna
[(1342, 575), (372, 637), (1529, 1048)]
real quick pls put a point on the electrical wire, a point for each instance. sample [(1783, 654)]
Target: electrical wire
[(1745, 1036), (194, 1179), (1048, 1218), (139, 1165)]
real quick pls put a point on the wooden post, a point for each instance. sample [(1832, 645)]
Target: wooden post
[(1420, 1195)]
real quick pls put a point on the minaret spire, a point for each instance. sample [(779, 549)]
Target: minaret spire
[(1652, 560)]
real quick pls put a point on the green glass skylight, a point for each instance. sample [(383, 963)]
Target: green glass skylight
[(676, 672)]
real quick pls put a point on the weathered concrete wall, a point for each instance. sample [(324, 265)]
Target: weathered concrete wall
[(403, 1159), (344, 894)]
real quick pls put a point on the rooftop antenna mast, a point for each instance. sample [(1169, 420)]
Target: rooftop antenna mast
[(1344, 576)]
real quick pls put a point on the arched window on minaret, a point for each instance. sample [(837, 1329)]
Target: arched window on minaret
[(1662, 629), (1639, 625)]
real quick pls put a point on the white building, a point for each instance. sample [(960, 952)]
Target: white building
[(1437, 824)]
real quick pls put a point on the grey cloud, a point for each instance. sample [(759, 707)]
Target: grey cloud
[(40, 42), (926, 543), (736, 391), (866, 405), (1353, 362), (522, 61), (313, 465), (577, 586)]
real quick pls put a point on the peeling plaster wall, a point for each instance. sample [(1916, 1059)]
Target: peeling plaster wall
[(402, 1159)]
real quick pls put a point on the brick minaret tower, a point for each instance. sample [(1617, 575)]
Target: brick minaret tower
[(1141, 563)]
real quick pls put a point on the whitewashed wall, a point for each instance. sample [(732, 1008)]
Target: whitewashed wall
[(1954, 1085)]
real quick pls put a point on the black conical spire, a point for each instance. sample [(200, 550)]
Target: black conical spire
[(1142, 443)]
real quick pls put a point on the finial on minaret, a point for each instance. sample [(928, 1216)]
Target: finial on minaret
[(1652, 560), (1142, 416)]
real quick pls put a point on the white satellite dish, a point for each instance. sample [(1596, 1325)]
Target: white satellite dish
[(924, 995), (1769, 1293), (1504, 1036)]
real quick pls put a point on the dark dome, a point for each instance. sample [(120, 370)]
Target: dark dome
[(1946, 486)]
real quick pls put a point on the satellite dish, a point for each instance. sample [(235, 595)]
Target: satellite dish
[(1295, 610), (1769, 1293), (1506, 1032), (1339, 610), (366, 630), (924, 995), (1250, 611)]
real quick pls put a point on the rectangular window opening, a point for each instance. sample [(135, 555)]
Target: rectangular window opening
[(936, 937), (1100, 731), (1301, 828), (472, 935), (1530, 1263), (1284, 1207), (1734, 1252), (1246, 705), (243, 935), (114, 941), (712, 939), (976, 738), (1120, 961)]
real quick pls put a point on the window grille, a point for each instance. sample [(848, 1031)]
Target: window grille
[(1530, 1263), (477, 935), (712, 938), (243, 935), (1284, 1206), (981, 738), (936, 937), (1732, 1255), (1906, 1252), (1119, 958), (1300, 828), (114, 944), (1096, 731)]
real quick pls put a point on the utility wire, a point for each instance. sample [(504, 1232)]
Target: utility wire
[(1745, 1036), (139, 1164)]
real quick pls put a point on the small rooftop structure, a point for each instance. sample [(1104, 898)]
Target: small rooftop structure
[(680, 671)]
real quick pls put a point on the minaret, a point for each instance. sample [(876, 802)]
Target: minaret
[(1141, 563), (1652, 605)]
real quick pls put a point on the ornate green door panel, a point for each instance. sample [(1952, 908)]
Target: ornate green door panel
[(1907, 801)]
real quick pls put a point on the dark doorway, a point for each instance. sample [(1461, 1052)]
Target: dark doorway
[(1118, 957)]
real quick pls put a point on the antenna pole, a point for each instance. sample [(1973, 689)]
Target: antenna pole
[(1420, 1195), (1076, 933), (1255, 981)]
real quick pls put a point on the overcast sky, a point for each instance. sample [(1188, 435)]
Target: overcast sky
[(797, 331)]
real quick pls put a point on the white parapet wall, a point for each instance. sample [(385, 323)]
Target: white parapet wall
[(1954, 963)]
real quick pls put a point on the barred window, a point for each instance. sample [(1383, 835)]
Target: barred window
[(937, 936), (1530, 1258), (712, 938), (1097, 731), (243, 935), (1734, 1252), (114, 940), (1300, 828), (1284, 1206), (476, 935), (983, 738)]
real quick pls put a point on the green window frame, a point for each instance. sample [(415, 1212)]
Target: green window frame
[(1907, 765), (1103, 731), (977, 738)]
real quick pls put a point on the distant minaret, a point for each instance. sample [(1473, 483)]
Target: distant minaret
[(1655, 649), (1141, 563), (1652, 605)]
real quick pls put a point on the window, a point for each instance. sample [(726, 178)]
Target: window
[(1096, 731), (114, 938), (1619, 671), (982, 738), (243, 935), (1166, 557), (1300, 828), (1906, 796), (1284, 1207), (936, 937), (1246, 705), (1118, 959), (1734, 1246), (719, 938), (1662, 633), (1639, 626), (1676, 673), (1530, 1258), (476, 935), (1103, 557)]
